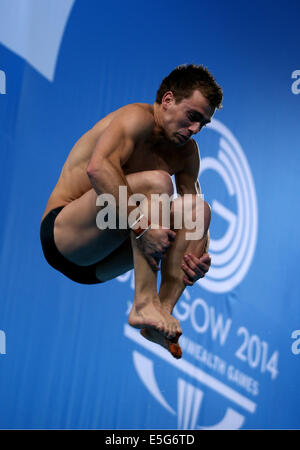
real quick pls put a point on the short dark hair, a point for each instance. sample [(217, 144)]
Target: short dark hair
[(184, 79)]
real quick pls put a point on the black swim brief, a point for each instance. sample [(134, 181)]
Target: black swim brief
[(80, 274)]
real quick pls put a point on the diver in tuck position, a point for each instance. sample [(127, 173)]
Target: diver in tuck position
[(138, 147)]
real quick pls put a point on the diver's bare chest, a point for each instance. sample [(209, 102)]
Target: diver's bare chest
[(147, 157)]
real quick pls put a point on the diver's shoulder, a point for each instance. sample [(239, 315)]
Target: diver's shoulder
[(137, 116), (144, 111), (192, 148)]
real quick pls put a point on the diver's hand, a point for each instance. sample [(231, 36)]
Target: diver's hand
[(154, 244)]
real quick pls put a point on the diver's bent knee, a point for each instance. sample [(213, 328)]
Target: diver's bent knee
[(183, 205), (159, 181)]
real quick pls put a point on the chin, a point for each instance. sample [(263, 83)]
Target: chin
[(180, 143), (174, 139)]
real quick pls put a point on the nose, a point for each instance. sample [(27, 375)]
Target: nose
[(195, 127)]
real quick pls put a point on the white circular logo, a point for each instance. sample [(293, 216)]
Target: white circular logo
[(233, 252)]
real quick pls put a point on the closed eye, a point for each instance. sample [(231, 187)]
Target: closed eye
[(197, 118), (192, 117)]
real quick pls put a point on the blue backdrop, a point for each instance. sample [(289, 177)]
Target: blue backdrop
[(67, 357)]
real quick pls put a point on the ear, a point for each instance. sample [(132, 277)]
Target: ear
[(168, 99)]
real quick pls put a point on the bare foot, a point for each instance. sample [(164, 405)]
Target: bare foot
[(172, 323), (170, 344), (149, 315)]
